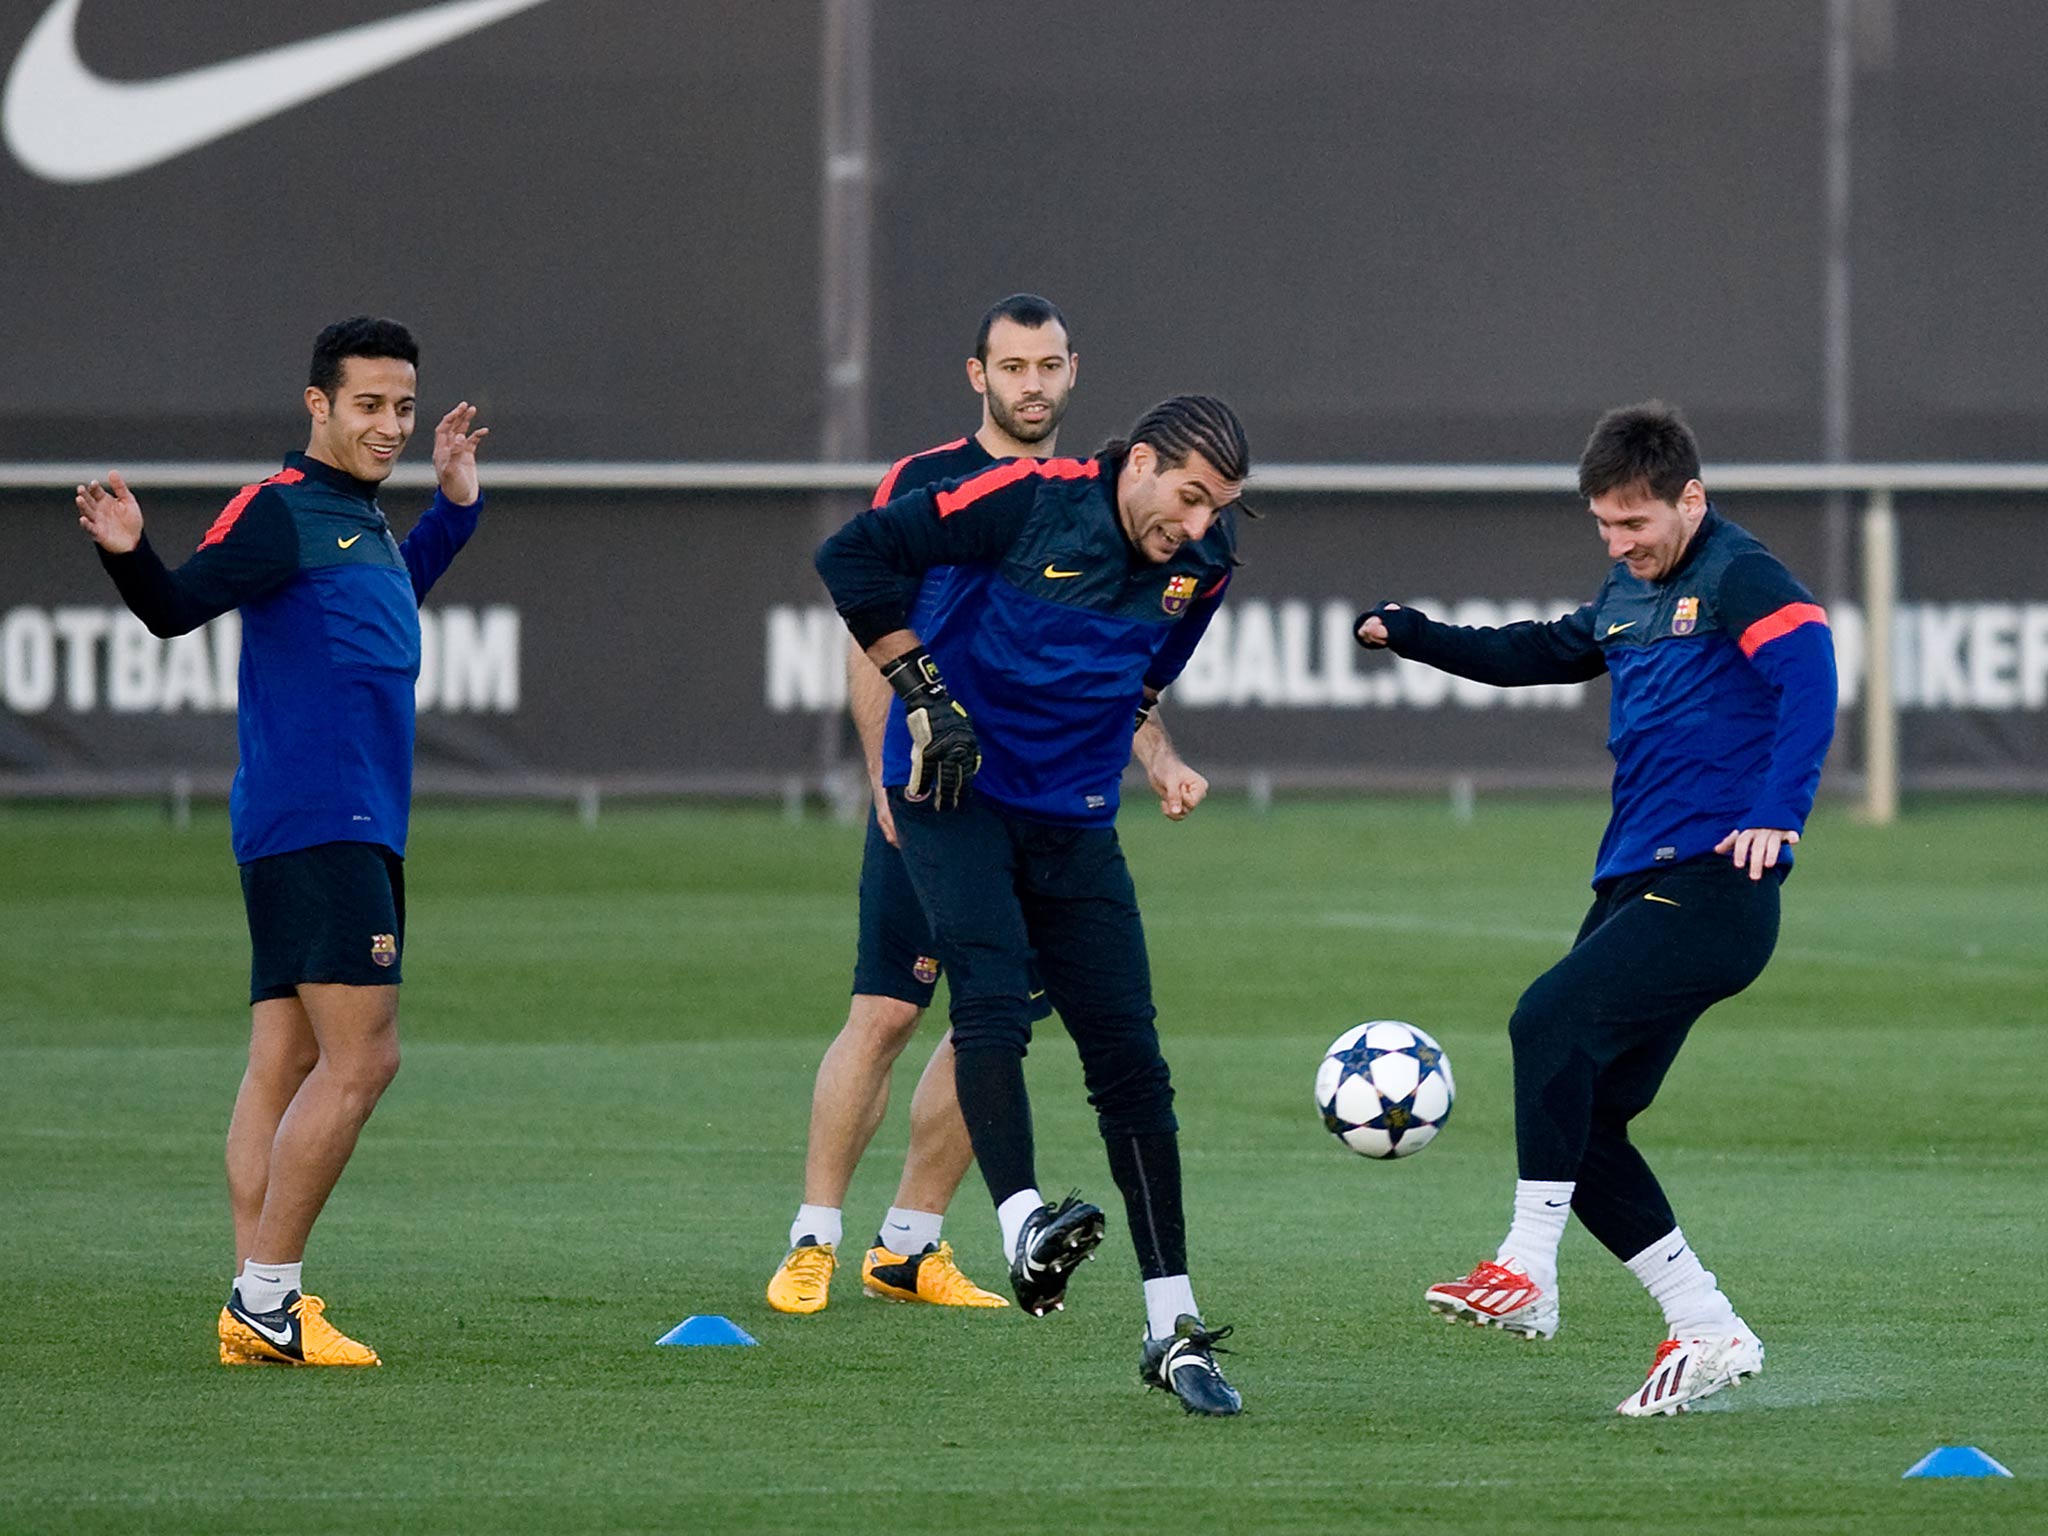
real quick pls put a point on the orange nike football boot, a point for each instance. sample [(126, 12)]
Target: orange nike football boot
[(297, 1333), (802, 1282), (929, 1276)]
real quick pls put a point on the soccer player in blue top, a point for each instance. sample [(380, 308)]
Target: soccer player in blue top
[(1023, 368), (1723, 706), (330, 651), (1080, 589)]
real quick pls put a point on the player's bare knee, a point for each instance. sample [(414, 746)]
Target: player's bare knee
[(363, 1069), (281, 1067), (883, 1025), (382, 1064)]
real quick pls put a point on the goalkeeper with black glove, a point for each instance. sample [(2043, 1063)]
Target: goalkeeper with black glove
[(1079, 590)]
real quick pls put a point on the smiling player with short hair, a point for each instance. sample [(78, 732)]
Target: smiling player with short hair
[(322, 797)]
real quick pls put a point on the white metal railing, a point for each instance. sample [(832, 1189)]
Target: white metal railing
[(1877, 483), (1331, 479)]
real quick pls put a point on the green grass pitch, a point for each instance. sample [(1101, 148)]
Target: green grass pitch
[(609, 1040)]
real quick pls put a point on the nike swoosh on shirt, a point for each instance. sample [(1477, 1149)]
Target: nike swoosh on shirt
[(1054, 574), (67, 124), (1615, 629), (344, 543)]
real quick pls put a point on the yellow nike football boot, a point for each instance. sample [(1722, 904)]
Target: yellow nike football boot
[(297, 1333), (929, 1276), (238, 1346), (803, 1281)]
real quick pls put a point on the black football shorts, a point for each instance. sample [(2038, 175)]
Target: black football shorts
[(897, 957), (334, 912)]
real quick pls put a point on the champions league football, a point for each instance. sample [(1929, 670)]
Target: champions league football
[(1384, 1089)]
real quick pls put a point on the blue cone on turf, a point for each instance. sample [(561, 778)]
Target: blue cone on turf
[(709, 1329), (1956, 1461)]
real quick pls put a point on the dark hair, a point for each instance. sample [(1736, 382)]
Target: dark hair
[(358, 336), (1647, 445), (1190, 424), (1028, 310)]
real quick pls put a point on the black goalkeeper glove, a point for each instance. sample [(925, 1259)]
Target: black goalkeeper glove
[(943, 752)]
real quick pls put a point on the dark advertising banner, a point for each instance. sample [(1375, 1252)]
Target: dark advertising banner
[(600, 216), (663, 641), (1396, 231)]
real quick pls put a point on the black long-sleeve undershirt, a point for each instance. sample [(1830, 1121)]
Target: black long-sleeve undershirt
[(873, 564), (1512, 655), (255, 555)]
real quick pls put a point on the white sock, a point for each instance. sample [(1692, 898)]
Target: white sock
[(1541, 1210), (1165, 1300), (1011, 1214), (263, 1287), (819, 1223), (911, 1232), (1671, 1272)]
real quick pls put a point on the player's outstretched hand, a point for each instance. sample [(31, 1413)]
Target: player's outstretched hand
[(1375, 628), (455, 449), (1758, 847), (1179, 788), (944, 754), (110, 514)]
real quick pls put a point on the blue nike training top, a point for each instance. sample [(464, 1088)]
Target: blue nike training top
[(330, 648), (1051, 627), (1724, 692)]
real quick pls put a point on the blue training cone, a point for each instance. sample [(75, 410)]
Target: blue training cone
[(710, 1329), (1956, 1461)]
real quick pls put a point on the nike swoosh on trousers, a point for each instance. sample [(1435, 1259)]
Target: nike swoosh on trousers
[(67, 124)]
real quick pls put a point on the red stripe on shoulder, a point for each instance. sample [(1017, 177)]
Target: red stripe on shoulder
[(887, 489), (1221, 582), (1782, 622), (989, 481), (232, 512)]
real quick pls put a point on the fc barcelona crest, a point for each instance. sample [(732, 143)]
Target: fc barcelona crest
[(926, 970), (1178, 590), (384, 948), (1687, 616)]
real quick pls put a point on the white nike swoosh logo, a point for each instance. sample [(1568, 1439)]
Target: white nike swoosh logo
[(282, 1337), (67, 124)]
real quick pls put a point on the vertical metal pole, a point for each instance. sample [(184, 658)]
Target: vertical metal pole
[(1837, 379), (1880, 695), (846, 112), (845, 278)]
